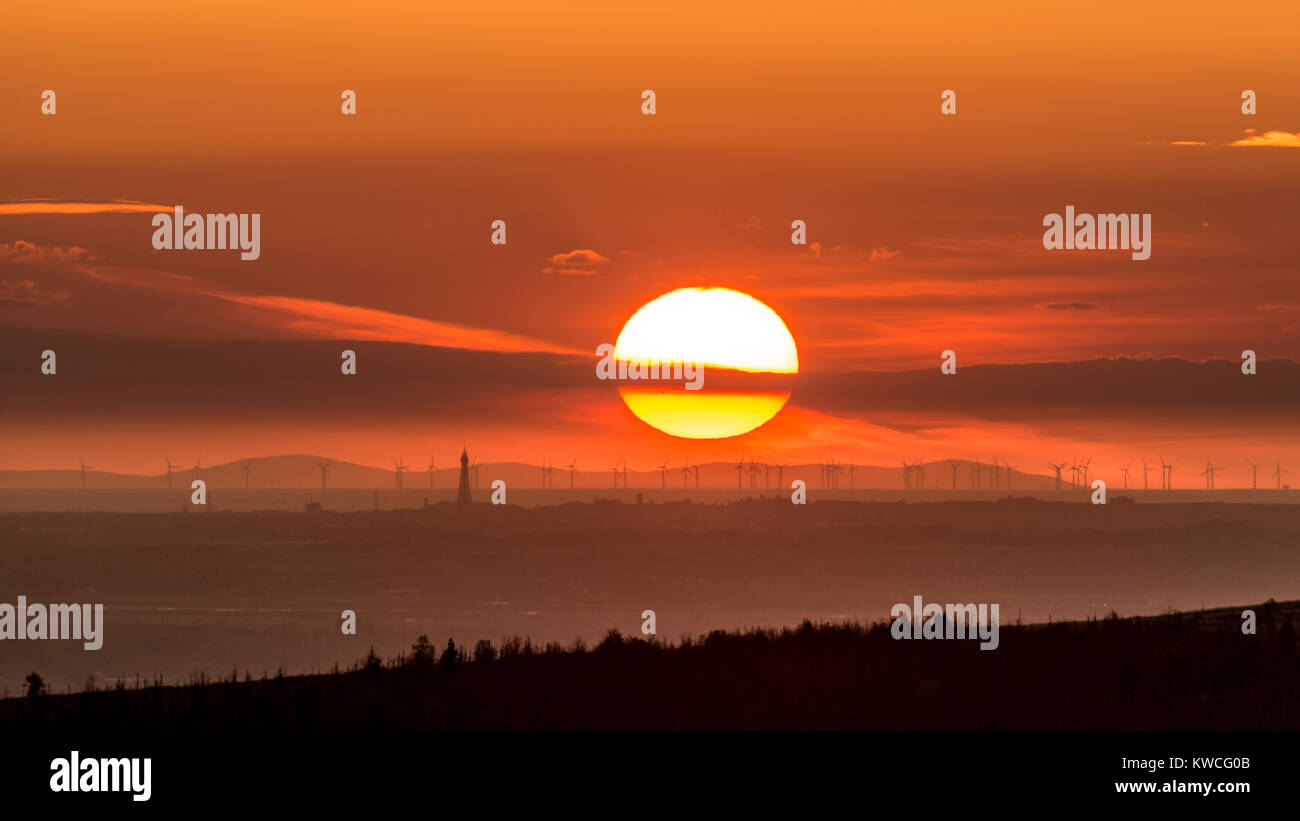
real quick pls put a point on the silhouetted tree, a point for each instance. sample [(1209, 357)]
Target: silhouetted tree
[(35, 685), (449, 657), (612, 641), (422, 652)]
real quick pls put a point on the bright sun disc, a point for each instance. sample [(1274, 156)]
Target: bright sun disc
[(720, 329)]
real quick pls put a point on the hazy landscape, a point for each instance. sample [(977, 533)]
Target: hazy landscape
[(209, 592)]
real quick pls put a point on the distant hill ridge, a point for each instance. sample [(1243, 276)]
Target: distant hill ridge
[(303, 471)]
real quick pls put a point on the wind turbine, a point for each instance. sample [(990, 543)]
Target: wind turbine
[(1086, 467), (1278, 473), (83, 471), (169, 472), (1145, 471), (740, 470), (400, 466), (431, 468), (979, 471), (1208, 473), (324, 470), (663, 474), (624, 460), (1125, 470), (614, 470), (475, 466), (919, 467), (780, 475), (248, 467), (852, 468), (686, 475), (573, 471), (1253, 468), (953, 463), (1009, 468), (198, 466), (546, 466), (1167, 469), (907, 474), (996, 475), (1057, 468)]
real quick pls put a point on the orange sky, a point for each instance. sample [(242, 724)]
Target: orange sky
[(926, 229)]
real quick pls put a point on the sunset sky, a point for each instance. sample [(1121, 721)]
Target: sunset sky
[(925, 231)]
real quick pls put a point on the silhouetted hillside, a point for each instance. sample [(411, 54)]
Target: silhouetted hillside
[(1179, 671)]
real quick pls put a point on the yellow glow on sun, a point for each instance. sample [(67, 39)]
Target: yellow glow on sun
[(712, 326), (703, 414), (718, 328)]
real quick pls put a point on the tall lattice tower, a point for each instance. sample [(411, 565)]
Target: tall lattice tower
[(462, 495)]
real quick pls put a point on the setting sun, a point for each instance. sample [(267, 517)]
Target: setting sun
[(717, 328)]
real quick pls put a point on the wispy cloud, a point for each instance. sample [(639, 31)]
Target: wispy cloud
[(330, 320), (1272, 139), (1269, 139), (23, 252), (1071, 306), (26, 292), (321, 319), (579, 262), (58, 207), (570, 272), (582, 256)]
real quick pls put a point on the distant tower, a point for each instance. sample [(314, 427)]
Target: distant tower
[(462, 495)]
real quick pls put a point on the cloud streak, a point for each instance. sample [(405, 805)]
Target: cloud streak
[(321, 319), (580, 262), (1269, 139), (22, 252), (330, 320), (55, 207)]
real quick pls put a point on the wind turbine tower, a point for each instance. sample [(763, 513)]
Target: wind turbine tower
[(1057, 468)]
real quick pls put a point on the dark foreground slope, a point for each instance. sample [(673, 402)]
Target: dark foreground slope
[(1180, 671)]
